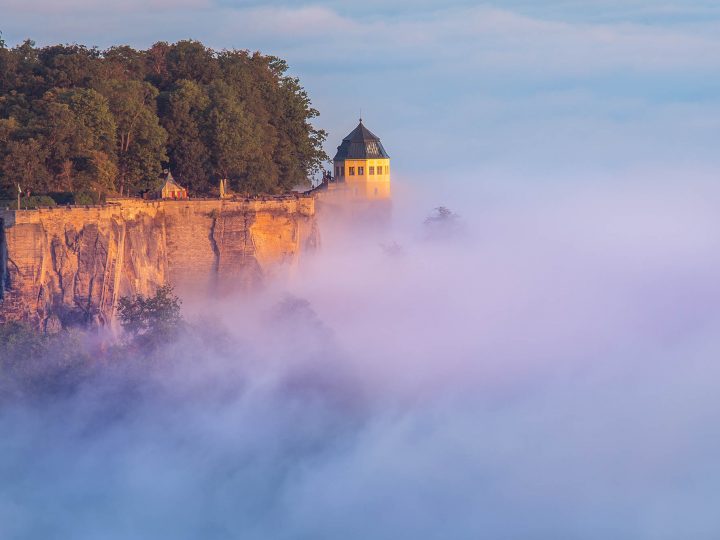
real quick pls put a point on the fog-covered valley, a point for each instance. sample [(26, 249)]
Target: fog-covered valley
[(542, 368)]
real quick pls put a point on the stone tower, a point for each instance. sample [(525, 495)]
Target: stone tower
[(362, 166)]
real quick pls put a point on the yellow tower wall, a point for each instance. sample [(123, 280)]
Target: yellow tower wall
[(365, 185)]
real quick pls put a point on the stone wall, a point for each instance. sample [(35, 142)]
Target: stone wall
[(73, 263)]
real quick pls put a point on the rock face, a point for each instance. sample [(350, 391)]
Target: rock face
[(70, 265)]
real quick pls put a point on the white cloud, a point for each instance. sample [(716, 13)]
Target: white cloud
[(479, 36), (297, 23), (101, 8)]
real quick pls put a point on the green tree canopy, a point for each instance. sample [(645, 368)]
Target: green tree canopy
[(74, 118), (57, 141), (185, 110), (140, 138)]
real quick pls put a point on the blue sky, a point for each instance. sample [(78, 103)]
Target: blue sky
[(527, 89)]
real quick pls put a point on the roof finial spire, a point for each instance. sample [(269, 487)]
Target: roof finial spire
[(361, 115)]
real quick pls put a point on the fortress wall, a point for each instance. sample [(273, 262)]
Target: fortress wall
[(341, 204), (73, 263)]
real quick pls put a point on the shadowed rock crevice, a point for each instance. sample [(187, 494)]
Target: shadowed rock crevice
[(214, 246)]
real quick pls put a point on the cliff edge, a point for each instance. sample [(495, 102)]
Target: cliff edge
[(70, 265)]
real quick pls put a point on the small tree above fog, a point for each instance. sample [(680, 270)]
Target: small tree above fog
[(150, 320), (442, 223)]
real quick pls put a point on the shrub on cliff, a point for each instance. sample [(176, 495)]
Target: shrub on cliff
[(18, 340), (42, 201), (36, 365), (150, 321), (37, 201)]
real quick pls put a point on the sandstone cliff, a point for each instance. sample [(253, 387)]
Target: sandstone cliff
[(72, 264)]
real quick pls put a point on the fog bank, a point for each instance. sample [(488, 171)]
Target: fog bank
[(545, 368)]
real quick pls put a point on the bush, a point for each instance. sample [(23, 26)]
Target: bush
[(79, 198), (87, 198), (34, 364), (18, 340), (36, 201), (150, 321), (443, 224), (63, 197)]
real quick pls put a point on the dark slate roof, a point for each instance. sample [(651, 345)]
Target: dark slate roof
[(361, 144)]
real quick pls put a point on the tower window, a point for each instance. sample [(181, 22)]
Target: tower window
[(376, 191), (361, 171), (352, 171), (379, 169), (372, 170)]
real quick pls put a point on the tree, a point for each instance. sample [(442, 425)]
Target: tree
[(56, 126), (443, 224), (73, 126), (24, 165), (19, 340), (151, 321), (230, 132), (36, 364), (307, 139), (140, 141), (123, 63), (18, 71), (299, 152), (7, 128), (101, 175), (208, 115), (93, 154), (67, 66), (183, 116), (191, 60), (93, 117), (156, 62)]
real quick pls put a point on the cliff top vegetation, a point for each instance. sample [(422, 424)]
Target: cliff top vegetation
[(85, 122)]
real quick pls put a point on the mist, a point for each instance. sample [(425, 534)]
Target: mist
[(544, 367)]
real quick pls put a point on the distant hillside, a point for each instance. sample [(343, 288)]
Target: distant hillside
[(91, 122)]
